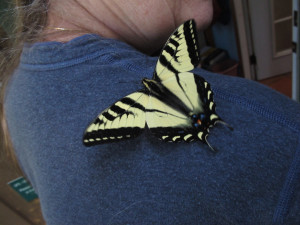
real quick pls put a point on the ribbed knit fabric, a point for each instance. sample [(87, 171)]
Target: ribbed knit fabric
[(58, 89)]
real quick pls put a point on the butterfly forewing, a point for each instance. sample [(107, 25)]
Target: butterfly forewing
[(183, 86), (124, 119), (180, 54)]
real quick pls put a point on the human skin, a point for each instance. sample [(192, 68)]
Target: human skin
[(141, 23)]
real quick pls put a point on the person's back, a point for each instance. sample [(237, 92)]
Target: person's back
[(57, 90)]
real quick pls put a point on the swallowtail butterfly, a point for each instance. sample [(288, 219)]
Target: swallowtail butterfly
[(176, 105)]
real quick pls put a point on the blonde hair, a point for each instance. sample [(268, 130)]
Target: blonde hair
[(30, 17)]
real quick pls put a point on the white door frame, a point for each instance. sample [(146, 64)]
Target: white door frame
[(244, 38), (255, 40)]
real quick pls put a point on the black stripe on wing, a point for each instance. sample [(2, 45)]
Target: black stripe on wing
[(125, 119), (192, 43), (110, 135), (181, 52)]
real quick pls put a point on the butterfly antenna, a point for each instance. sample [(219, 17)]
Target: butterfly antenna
[(209, 144), (224, 123)]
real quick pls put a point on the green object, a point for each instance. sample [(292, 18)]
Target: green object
[(22, 186), (7, 16)]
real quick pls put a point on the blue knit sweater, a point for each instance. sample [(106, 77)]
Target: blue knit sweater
[(58, 89)]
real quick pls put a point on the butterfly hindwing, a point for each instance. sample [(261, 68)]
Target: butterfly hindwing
[(171, 119), (167, 123), (123, 120)]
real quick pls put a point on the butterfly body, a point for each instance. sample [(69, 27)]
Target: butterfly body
[(176, 105)]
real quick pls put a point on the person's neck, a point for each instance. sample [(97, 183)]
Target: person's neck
[(106, 20)]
